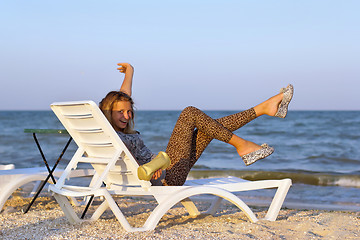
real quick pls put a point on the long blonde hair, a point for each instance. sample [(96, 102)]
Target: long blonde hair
[(107, 104)]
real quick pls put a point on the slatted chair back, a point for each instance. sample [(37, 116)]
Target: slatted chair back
[(98, 145)]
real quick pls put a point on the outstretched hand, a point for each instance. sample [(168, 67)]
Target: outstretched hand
[(127, 83), (125, 67)]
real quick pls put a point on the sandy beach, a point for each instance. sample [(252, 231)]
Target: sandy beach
[(47, 221)]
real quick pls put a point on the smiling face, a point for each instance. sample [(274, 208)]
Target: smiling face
[(121, 114), (118, 108)]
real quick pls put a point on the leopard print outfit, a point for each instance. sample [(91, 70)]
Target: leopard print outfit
[(193, 132)]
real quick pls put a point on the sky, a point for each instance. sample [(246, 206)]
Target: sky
[(216, 55)]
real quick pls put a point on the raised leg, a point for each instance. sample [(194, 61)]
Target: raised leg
[(192, 133)]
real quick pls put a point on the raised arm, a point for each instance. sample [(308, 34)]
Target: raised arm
[(129, 72)]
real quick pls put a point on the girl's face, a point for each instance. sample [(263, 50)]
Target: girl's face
[(121, 114)]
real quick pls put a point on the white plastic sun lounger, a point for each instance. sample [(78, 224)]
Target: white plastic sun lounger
[(100, 146), (11, 179)]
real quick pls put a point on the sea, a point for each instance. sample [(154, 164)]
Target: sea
[(318, 150)]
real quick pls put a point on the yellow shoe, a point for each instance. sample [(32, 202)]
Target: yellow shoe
[(146, 171)]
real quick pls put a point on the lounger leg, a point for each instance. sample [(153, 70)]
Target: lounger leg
[(190, 207), (67, 208), (164, 206), (214, 205), (100, 210), (278, 200), (35, 188), (117, 212)]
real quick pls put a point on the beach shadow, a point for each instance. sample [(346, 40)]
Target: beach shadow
[(136, 211), (30, 230)]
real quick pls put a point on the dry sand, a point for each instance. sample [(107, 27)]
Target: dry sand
[(46, 221)]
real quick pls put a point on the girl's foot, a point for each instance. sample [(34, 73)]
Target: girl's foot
[(247, 147), (270, 106), (261, 153), (273, 104), (277, 105), (251, 152)]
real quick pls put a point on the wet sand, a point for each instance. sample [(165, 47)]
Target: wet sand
[(47, 221)]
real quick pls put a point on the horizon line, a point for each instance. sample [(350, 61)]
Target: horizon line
[(39, 110)]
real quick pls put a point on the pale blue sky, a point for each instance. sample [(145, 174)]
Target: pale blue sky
[(211, 54)]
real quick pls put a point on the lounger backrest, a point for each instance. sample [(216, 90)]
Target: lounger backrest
[(98, 144)]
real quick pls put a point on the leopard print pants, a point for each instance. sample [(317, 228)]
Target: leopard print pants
[(193, 132)]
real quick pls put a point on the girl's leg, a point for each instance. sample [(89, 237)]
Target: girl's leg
[(186, 145), (183, 137), (231, 122), (238, 120)]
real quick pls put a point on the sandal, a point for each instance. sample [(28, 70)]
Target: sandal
[(263, 152), (283, 106)]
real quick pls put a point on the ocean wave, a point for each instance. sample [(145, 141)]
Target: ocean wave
[(334, 160), (302, 177)]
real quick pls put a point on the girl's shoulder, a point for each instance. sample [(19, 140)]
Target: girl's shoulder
[(128, 134)]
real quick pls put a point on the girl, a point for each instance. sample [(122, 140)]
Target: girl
[(193, 131)]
